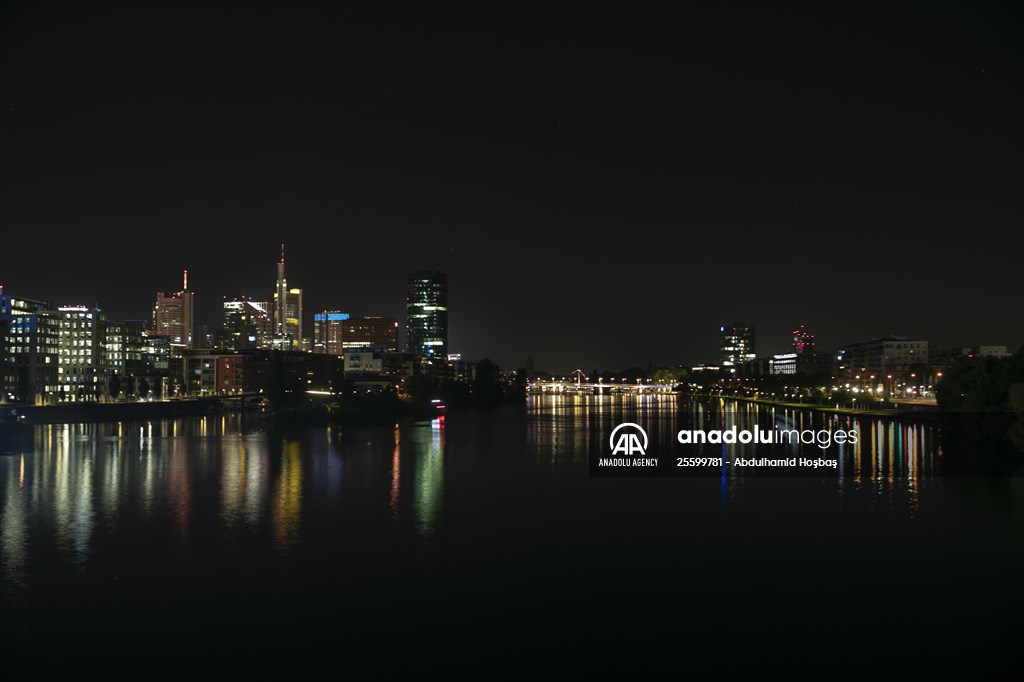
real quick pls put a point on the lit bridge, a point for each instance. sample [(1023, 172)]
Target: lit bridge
[(578, 383)]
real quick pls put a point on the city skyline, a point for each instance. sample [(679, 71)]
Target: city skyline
[(607, 205)]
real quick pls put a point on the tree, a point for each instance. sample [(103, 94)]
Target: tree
[(114, 385), (487, 384), (143, 388)]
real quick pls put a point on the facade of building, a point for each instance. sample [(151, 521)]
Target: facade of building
[(881, 357), (426, 305), (402, 364), (174, 318), (82, 354), (263, 318), (230, 374), (736, 345), (247, 324), (806, 363), (368, 361), (991, 351), (199, 373), (328, 332), (126, 356), (156, 357), (371, 332), (29, 338)]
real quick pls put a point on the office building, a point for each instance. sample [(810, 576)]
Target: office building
[(804, 363), (82, 354), (427, 314), (371, 332), (126, 356), (29, 340), (247, 324), (328, 332), (287, 312), (881, 357), (736, 345), (173, 316)]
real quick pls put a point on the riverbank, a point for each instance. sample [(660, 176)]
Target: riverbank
[(902, 411), (102, 412)]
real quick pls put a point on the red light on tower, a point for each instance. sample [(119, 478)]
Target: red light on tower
[(802, 340)]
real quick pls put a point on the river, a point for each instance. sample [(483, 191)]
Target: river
[(481, 545)]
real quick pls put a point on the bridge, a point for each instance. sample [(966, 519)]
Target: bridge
[(578, 383)]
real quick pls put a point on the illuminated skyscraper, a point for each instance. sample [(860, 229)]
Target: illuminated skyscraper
[(287, 312), (427, 314), (247, 324), (173, 316), (736, 345), (328, 332)]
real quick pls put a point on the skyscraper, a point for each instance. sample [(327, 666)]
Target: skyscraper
[(247, 324), (328, 332), (287, 311), (426, 330), (736, 344), (173, 316)]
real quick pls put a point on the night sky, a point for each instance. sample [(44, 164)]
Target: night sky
[(604, 184)]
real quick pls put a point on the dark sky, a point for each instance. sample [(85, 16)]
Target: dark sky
[(605, 184)]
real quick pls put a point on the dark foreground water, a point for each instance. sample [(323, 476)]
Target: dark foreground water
[(479, 547)]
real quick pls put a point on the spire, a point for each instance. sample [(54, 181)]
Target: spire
[(282, 254), (185, 284)]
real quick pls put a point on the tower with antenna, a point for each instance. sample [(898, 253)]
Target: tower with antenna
[(173, 316), (287, 312)]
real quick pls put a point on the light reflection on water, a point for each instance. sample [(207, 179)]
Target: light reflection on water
[(571, 427), (888, 461), (195, 486), (60, 485)]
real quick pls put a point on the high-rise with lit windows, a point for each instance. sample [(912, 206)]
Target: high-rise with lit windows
[(173, 316), (328, 332), (426, 307), (736, 344), (287, 312), (28, 351), (247, 324), (82, 354)]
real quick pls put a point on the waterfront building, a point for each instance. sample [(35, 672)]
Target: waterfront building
[(82, 354), (126, 356), (29, 339), (891, 355)]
